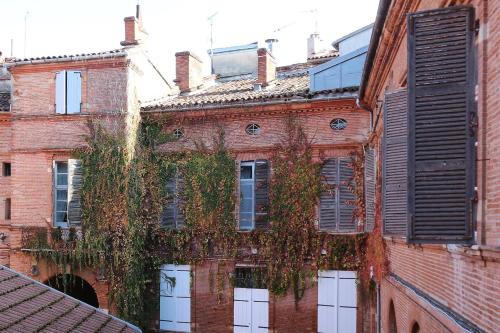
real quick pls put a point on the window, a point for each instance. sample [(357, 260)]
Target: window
[(415, 328), (338, 124), (178, 133), (6, 169), (337, 301), (68, 92), (175, 298), (252, 129), (67, 187), (250, 277), (336, 213), (7, 209), (254, 194), (173, 216)]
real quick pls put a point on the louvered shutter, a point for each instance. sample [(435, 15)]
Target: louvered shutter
[(395, 184), (61, 92), (75, 183), (237, 193), (173, 215), (179, 203), (441, 133), (370, 189), (346, 202), (328, 198), (261, 194), (73, 92)]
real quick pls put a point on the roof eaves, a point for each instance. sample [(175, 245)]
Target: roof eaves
[(354, 33), (66, 58)]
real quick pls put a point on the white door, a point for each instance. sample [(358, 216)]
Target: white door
[(251, 310), (175, 298), (337, 305)]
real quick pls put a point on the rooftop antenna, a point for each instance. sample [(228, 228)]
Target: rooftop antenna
[(211, 20), (25, 31), (12, 47)]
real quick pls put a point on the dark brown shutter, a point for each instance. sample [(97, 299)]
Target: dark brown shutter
[(395, 184), (347, 197), (328, 199), (75, 183), (261, 194), (441, 123), (370, 188)]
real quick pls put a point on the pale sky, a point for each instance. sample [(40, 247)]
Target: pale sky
[(57, 27)]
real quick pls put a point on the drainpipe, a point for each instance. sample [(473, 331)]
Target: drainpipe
[(379, 324), (365, 107)]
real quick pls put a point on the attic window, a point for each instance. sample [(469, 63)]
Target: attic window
[(252, 129), (178, 133), (338, 124)]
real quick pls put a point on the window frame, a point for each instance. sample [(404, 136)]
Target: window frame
[(6, 169), (252, 182), (56, 188), (8, 209), (65, 92)]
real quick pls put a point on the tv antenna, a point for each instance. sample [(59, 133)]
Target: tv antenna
[(211, 20), (25, 31)]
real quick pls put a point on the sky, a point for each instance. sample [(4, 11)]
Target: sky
[(56, 27)]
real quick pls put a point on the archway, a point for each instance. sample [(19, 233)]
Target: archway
[(75, 287), (415, 328), (393, 327)]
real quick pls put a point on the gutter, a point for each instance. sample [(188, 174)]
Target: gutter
[(383, 9)]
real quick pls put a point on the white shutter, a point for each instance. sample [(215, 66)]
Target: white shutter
[(260, 310), (75, 182), (61, 92), (175, 301), (74, 92), (242, 310), (337, 296)]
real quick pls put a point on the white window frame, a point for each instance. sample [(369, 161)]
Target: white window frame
[(252, 182), (58, 187)]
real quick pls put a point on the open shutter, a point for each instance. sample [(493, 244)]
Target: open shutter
[(395, 185), (347, 186), (73, 92), (175, 298), (242, 310), (61, 92), (173, 215), (179, 201), (75, 183), (261, 194), (370, 189), (441, 125), (328, 198)]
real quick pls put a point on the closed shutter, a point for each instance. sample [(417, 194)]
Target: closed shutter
[(395, 188), (179, 203), (175, 298), (370, 189), (260, 310), (251, 310), (73, 92), (441, 134), (173, 215), (347, 197), (61, 92), (75, 183), (328, 198), (261, 194)]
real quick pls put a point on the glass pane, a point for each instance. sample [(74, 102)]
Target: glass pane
[(246, 172), (61, 206), (62, 195), (62, 179), (61, 217), (246, 205), (62, 167), (245, 220)]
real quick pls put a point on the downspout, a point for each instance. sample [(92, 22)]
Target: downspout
[(379, 316), (367, 108)]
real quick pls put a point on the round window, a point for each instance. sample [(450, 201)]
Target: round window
[(252, 129), (178, 133), (338, 124)]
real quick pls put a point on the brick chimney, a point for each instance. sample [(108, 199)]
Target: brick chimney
[(188, 71), (266, 67), (134, 31)]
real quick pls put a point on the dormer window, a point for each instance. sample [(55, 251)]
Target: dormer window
[(252, 129)]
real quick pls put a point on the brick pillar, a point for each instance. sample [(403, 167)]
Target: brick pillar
[(188, 70)]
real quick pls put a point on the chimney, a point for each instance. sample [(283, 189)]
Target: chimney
[(188, 71), (270, 44), (313, 45), (266, 67), (134, 31)]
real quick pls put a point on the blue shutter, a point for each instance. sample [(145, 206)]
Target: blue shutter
[(61, 92), (74, 91)]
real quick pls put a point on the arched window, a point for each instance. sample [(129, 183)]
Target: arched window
[(415, 328), (393, 327)]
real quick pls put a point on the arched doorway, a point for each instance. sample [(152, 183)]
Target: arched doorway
[(393, 327), (415, 328), (75, 287)]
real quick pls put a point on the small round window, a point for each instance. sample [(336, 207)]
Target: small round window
[(338, 124), (178, 133), (252, 129)]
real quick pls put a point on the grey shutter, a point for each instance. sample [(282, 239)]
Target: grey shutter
[(75, 183), (61, 92), (173, 215), (441, 123), (395, 184), (261, 194), (347, 197), (328, 198), (370, 189), (237, 193), (73, 92), (179, 201)]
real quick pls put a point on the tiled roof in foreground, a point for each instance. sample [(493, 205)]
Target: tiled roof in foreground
[(68, 57), (29, 306)]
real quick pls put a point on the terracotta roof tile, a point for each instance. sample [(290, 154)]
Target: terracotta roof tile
[(28, 306), (70, 57)]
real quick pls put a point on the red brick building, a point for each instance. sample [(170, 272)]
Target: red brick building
[(431, 82)]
